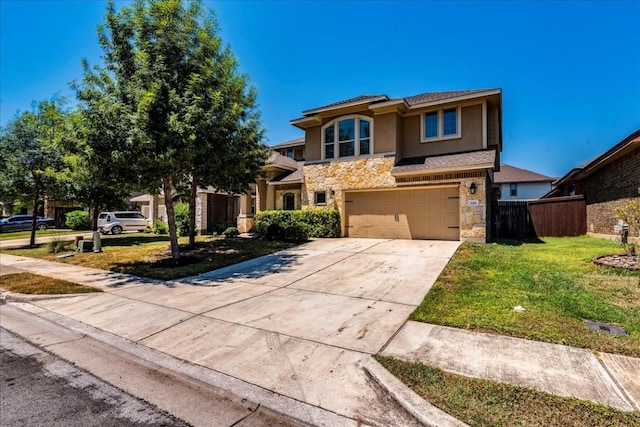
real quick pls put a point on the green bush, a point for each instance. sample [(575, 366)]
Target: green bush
[(297, 225), (231, 232), (78, 220), (160, 227), (181, 211)]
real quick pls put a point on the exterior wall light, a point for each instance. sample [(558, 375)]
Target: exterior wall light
[(472, 188)]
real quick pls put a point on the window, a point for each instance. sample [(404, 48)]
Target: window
[(289, 202), (513, 189), (441, 124), (348, 137), (320, 197), (290, 153)]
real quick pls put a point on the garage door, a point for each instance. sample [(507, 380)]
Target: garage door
[(404, 214)]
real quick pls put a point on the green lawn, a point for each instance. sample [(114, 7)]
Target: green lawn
[(488, 403), (554, 280), (27, 283), (148, 255), (39, 233)]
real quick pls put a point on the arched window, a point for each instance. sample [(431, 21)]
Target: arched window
[(289, 202), (348, 136)]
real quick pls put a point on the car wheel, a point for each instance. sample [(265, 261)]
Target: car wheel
[(116, 229), (41, 226)]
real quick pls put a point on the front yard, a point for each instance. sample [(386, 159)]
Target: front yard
[(554, 281), (148, 255), (39, 233)]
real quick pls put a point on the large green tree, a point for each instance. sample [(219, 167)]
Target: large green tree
[(33, 157), (184, 100)]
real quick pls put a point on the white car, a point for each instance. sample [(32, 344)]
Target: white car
[(117, 222)]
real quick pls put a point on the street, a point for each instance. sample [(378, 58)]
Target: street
[(38, 388)]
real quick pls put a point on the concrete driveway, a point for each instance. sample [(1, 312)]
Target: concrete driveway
[(297, 322)]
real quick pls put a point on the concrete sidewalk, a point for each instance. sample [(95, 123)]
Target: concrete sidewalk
[(303, 324)]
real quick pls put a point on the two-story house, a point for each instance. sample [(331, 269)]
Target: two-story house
[(419, 167), (521, 184)]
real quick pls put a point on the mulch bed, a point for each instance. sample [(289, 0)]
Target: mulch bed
[(619, 261)]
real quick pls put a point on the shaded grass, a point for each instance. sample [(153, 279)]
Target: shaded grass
[(488, 403), (148, 255), (555, 281), (39, 233), (34, 284)]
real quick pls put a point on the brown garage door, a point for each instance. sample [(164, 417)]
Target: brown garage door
[(404, 214)]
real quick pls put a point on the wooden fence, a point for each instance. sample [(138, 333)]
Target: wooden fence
[(560, 216)]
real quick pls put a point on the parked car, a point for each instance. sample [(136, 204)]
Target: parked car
[(117, 222), (23, 223)]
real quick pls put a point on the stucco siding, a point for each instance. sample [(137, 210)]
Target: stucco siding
[(312, 145), (384, 133), (470, 138)]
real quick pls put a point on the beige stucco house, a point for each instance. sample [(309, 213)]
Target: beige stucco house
[(419, 167)]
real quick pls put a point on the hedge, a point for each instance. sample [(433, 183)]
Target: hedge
[(297, 225), (78, 220)]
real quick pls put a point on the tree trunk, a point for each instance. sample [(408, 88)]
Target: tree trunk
[(34, 220), (171, 218), (94, 217), (192, 211)]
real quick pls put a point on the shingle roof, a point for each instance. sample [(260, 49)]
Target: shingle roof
[(439, 96), (284, 162), (293, 177), (446, 162), (348, 101), (290, 143), (510, 173)]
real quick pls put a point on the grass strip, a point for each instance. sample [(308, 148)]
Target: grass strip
[(480, 402), (34, 284)]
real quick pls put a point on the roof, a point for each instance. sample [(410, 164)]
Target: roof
[(450, 162), (441, 96), (292, 178), (291, 143), (355, 100), (141, 198), (282, 162), (510, 173)]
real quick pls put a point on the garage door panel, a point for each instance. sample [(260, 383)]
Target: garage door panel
[(405, 214)]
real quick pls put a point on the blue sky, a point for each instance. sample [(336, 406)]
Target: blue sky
[(569, 71)]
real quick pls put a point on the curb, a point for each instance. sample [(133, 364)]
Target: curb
[(423, 411), (14, 297)]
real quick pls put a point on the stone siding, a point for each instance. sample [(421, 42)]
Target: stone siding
[(338, 177)]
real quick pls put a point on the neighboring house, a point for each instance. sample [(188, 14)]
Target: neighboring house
[(419, 167), (294, 149), (521, 184), (606, 182)]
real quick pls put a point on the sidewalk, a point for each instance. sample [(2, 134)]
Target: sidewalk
[(193, 324), (18, 243)]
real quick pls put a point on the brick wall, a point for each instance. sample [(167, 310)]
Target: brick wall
[(601, 216), (618, 180)]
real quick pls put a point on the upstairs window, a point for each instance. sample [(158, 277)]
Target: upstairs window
[(347, 137), (513, 189), (440, 124)]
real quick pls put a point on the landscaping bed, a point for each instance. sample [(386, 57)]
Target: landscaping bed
[(148, 255), (556, 283), (479, 402)]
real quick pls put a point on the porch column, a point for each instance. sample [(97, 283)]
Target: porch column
[(261, 196), (271, 197), (201, 213), (153, 209), (245, 218)]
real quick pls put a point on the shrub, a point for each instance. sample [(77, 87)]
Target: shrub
[(160, 227), (231, 232), (297, 225), (78, 220), (181, 211), (57, 244)]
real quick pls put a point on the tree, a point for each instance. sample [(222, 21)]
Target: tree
[(101, 159), (33, 158), (177, 84)]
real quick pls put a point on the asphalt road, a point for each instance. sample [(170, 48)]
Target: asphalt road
[(37, 389)]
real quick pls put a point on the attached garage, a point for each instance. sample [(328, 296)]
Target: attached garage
[(425, 213)]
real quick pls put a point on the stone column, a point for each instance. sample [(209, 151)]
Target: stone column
[(271, 197), (245, 218), (201, 212), (153, 209)]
